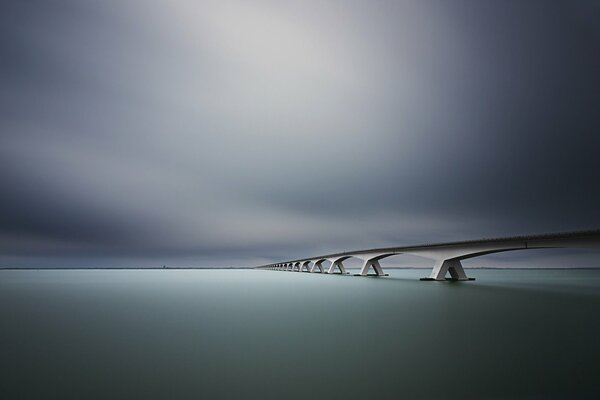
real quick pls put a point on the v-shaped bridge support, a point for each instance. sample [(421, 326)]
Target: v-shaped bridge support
[(443, 267)]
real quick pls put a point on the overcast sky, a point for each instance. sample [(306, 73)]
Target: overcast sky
[(208, 133)]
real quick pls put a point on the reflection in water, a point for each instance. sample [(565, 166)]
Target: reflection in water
[(264, 334)]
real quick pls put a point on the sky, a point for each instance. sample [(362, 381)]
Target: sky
[(238, 133)]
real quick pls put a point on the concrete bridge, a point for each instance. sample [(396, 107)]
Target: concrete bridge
[(447, 256)]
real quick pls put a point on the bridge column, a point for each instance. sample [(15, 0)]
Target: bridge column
[(337, 263), (297, 265), (452, 266), (304, 266), (317, 264), (371, 263)]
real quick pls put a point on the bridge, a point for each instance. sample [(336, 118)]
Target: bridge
[(447, 257)]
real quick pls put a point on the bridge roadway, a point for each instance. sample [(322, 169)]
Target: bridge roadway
[(447, 256)]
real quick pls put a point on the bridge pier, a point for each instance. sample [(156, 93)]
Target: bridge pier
[(452, 266), (317, 264), (371, 263), (304, 266), (339, 264)]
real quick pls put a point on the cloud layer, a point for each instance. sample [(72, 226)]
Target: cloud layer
[(228, 132)]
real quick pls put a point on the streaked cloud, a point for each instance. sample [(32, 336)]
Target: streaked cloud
[(232, 132)]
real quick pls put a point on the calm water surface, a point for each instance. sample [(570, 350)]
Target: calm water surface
[(219, 334)]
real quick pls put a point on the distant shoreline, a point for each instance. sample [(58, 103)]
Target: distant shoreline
[(115, 268), (251, 268)]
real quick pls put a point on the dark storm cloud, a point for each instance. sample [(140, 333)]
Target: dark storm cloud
[(219, 132)]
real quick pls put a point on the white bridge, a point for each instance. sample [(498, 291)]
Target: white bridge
[(447, 256)]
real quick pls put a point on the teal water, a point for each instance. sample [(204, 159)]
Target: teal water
[(250, 334)]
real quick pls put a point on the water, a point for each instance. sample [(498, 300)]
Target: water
[(236, 334)]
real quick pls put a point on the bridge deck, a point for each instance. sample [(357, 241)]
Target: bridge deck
[(524, 240)]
